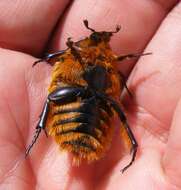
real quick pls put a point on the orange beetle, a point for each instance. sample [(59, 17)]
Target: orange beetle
[(84, 95)]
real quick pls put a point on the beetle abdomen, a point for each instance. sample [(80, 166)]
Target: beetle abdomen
[(82, 128)]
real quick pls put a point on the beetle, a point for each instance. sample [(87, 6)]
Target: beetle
[(84, 96)]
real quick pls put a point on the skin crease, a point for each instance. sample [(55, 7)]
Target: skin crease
[(153, 112)]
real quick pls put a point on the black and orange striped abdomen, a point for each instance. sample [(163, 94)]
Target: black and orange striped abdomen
[(82, 127)]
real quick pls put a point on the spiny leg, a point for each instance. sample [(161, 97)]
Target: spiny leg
[(41, 125), (36, 135), (53, 57), (130, 56), (64, 94), (134, 144), (50, 58), (123, 81), (122, 117)]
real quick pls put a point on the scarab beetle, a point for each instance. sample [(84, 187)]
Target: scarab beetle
[(84, 96)]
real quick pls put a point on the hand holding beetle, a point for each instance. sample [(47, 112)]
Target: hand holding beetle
[(157, 130)]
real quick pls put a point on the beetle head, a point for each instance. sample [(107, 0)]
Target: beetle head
[(98, 37)]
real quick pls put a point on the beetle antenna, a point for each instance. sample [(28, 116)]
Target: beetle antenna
[(87, 26), (118, 27), (37, 133)]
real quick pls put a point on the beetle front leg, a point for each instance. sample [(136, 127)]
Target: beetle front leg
[(50, 58)]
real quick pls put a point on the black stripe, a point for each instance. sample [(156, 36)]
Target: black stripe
[(79, 143), (82, 118), (85, 108), (81, 128)]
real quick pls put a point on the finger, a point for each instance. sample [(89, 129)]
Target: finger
[(171, 161), (156, 79), (26, 25), (139, 21), (14, 119), (22, 94)]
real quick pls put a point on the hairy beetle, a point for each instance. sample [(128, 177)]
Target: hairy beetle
[(84, 95)]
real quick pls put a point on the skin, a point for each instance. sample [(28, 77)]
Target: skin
[(153, 112)]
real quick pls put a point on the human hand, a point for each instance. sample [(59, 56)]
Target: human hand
[(153, 113)]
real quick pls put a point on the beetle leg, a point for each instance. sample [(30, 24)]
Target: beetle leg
[(67, 94), (61, 95), (134, 144), (123, 81), (41, 125), (50, 58), (130, 56), (36, 135)]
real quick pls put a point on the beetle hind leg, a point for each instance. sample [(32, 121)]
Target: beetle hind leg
[(128, 133), (130, 139)]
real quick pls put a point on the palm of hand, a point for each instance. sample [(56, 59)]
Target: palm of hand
[(155, 83)]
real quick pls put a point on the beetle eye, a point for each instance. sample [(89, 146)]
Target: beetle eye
[(95, 37), (106, 36)]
